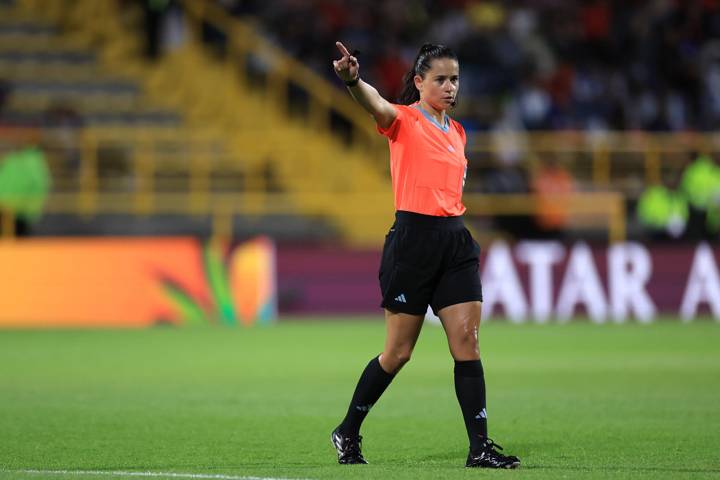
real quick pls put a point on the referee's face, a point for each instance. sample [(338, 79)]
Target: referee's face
[(440, 85)]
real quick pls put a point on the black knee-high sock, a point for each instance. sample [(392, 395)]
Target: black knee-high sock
[(470, 391), (373, 382)]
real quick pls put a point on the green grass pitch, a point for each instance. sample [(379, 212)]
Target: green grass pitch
[(572, 401)]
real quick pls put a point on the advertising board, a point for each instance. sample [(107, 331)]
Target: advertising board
[(135, 282)]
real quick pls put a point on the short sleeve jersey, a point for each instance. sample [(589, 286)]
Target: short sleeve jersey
[(427, 162)]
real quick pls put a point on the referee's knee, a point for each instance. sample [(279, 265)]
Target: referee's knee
[(394, 360), (465, 348)]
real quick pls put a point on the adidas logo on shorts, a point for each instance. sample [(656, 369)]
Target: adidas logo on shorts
[(401, 298)]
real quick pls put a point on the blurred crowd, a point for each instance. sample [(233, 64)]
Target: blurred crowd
[(527, 64)]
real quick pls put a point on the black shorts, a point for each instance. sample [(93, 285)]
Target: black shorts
[(428, 260)]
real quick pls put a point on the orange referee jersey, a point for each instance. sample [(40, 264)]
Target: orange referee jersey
[(427, 162)]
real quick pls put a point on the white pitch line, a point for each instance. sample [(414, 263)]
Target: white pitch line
[(117, 473)]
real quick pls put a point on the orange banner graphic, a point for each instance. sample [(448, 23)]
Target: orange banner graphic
[(131, 282)]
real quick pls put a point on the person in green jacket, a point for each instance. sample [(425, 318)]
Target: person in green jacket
[(24, 185), (663, 211), (701, 185)]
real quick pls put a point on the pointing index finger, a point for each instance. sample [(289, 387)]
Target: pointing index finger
[(342, 49)]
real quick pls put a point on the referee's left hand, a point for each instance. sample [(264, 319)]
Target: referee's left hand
[(347, 68)]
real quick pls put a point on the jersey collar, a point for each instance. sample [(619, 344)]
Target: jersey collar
[(444, 128)]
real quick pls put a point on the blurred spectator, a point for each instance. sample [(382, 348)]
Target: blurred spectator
[(551, 183), (4, 93), (154, 12), (509, 180), (24, 186), (509, 176), (701, 185), (663, 211)]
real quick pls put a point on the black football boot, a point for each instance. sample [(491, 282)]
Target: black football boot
[(488, 457), (348, 448)]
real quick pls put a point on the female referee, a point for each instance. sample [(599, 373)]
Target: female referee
[(429, 257)]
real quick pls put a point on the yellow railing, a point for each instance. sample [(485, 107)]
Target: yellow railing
[(610, 161), (173, 171), (179, 172), (176, 172), (601, 209)]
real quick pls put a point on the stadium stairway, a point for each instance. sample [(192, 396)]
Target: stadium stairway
[(46, 70), (110, 80), (323, 175)]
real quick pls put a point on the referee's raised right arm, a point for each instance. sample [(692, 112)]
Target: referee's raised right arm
[(348, 69)]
